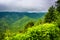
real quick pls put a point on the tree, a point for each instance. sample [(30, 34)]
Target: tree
[(58, 5), (29, 24), (50, 16), (58, 21)]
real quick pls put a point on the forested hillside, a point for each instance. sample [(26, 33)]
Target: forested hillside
[(31, 26), (11, 17)]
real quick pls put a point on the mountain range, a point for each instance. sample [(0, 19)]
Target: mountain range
[(17, 20), (11, 17)]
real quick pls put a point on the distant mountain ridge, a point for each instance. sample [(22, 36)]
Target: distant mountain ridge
[(2, 14), (11, 17)]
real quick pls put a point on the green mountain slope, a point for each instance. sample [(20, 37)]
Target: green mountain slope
[(17, 20), (19, 24)]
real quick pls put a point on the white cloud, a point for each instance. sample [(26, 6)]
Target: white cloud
[(26, 5)]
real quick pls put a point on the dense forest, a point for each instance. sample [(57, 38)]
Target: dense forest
[(28, 28)]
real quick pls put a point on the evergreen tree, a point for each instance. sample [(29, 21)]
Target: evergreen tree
[(50, 16), (58, 5)]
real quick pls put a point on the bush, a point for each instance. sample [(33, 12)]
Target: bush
[(41, 32), (44, 32)]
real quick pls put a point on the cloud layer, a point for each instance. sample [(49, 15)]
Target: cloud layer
[(25, 5)]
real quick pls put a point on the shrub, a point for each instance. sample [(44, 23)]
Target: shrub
[(44, 32), (41, 32)]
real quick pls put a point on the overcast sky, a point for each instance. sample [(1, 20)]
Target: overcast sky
[(25, 5)]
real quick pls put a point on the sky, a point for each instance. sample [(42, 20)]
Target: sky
[(26, 5)]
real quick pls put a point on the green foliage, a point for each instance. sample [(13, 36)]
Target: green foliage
[(44, 32), (2, 35), (21, 23), (29, 24), (58, 5), (3, 27), (58, 21), (46, 28), (3, 24), (30, 29), (41, 32), (58, 18), (38, 22), (50, 16)]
